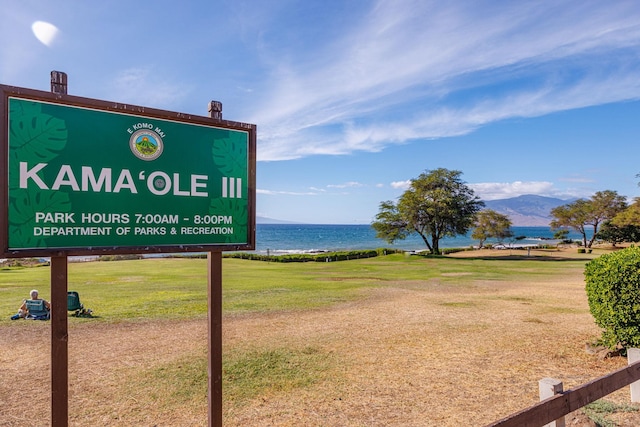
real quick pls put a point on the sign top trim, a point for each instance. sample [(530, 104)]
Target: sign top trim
[(192, 120), (123, 108)]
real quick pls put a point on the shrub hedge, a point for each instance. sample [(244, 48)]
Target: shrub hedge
[(313, 257), (613, 291)]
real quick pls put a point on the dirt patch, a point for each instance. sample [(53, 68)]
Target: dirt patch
[(403, 356)]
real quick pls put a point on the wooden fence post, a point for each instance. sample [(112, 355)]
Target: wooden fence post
[(633, 355), (549, 387)]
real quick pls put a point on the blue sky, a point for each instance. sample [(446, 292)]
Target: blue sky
[(354, 98)]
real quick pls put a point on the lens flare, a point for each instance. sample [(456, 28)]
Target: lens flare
[(45, 32)]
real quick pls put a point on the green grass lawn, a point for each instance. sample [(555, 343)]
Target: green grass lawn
[(177, 287)]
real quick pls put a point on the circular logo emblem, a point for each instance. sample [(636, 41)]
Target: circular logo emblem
[(159, 184), (145, 144)]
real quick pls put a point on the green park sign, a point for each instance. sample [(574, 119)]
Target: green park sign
[(82, 176)]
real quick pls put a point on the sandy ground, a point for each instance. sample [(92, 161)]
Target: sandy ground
[(419, 354)]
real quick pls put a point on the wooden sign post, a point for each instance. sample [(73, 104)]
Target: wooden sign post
[(214, 260), (59, 320)]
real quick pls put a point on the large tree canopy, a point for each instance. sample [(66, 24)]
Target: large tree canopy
[(437, 204), (602, 206), (491, 224)]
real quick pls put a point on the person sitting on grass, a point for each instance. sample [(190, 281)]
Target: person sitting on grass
[(34, 308)]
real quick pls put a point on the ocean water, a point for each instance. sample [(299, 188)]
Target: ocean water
[(277, 239)]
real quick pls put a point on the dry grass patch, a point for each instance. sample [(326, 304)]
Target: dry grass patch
[(417, 353)]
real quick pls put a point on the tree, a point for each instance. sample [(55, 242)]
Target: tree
[(606, 206), (629, 216), (572, 215), (561, 234), (610, 232), (437, 204), (491, 224), (602, 206)]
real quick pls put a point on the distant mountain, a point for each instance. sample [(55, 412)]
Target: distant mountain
[(527, 210)]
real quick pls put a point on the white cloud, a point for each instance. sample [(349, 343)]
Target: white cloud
[(506, 190), (350, 184), (45, 32), (400, 73), (402, 185), (285, 193), (314, 191)]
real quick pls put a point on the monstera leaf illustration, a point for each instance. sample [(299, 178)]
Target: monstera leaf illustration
[(23, 206), (230, 157), (239, 214), (34, 136)]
